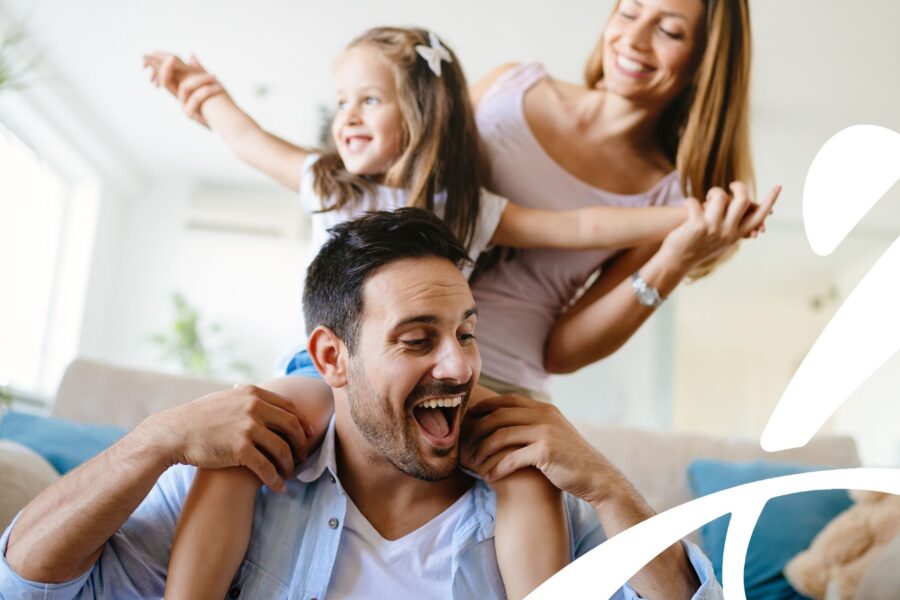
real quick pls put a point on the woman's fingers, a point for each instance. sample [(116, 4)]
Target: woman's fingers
[(714, 207), (756, 219), (737, 207), (694, 208)]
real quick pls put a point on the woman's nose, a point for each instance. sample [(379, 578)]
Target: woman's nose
[(637, 33)]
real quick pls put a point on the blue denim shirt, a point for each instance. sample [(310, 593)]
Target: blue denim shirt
[(294, 544)]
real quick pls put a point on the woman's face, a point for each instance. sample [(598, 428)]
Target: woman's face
[(649, 48)]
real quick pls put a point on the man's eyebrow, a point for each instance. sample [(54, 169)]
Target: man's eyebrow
[(665, 13), (430, 319)]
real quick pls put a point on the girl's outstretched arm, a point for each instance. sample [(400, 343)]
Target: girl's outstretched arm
[(215, 524), (586, 228), (205, 100)]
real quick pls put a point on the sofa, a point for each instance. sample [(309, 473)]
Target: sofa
[(656, 462)]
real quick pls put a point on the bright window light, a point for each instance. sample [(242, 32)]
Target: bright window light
[(32, 210)]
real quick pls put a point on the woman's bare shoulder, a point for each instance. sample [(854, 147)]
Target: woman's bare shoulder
[(478, 89)]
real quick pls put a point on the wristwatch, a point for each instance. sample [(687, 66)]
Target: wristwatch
[(646, 294)]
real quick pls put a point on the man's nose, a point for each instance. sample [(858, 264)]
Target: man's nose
[(453, 364)]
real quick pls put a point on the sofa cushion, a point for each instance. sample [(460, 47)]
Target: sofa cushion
[(23, 474), (65, 444), (786, 526)]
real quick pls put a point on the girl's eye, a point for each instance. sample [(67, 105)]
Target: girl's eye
[(342, 104), (371, 100), (627, 16)]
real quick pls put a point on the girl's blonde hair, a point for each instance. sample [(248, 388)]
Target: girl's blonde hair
[(705, 131), (441, 148)]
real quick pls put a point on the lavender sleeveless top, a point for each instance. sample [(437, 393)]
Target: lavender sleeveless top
[(519, 300)]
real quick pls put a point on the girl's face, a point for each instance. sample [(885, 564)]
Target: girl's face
[(649, 48), (368, 124)]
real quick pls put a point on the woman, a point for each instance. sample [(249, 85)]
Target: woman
[(663, 112)]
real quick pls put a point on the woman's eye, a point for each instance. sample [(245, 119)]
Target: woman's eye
[(672, 34), (627, 16)]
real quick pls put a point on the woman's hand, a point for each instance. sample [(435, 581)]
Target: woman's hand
[(507, 433), (716, 225)]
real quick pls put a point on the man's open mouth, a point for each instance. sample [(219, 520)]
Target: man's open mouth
[(438, 418)]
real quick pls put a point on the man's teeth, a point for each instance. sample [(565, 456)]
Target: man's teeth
[(442, 403), (630, 65)]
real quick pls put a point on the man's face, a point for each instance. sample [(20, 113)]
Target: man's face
[(415, 365)]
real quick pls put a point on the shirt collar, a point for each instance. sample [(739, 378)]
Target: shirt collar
[(484, 501), (323, 458)]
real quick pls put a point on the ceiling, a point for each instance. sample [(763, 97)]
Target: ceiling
[(818, 67)]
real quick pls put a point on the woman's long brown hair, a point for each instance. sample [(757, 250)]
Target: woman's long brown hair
[(441, 148), (705, 131)]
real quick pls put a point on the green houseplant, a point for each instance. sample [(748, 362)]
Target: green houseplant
[(191, 343)]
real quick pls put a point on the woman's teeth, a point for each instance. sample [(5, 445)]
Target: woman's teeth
[(629, 65)]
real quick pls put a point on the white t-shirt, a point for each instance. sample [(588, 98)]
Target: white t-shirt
[(416, 566), (386, 198)]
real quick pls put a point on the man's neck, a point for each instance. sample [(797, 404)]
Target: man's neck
[(395, 503)]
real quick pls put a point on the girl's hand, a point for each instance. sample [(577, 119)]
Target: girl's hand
[(716, 225), (506, 433), (189, 82)]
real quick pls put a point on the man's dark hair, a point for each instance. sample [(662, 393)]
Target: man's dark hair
[(333, 295)]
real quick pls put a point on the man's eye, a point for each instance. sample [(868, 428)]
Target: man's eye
[(467, 337), (416, 343)]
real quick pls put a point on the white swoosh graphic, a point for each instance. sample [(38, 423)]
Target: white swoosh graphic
[(849, 175)]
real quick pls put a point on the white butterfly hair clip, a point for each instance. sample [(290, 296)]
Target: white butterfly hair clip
[(434, 54)]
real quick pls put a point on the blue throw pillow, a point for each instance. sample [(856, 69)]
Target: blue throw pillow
[(785, 528), (65, 444)]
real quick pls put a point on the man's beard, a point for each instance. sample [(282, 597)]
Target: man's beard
[(393, 435)]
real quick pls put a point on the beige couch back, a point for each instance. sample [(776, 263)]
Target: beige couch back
[(655, 462), (98, 392)]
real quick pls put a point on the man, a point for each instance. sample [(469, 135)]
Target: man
[(394, 329)]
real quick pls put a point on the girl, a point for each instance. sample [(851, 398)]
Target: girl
[(404, 135)]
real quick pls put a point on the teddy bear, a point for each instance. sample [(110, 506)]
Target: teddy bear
[(840, 554)]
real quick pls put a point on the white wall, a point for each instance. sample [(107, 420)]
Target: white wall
[(249, 284)]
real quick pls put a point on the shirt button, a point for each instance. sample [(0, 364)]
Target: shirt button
[(234, 593), (333, 523)]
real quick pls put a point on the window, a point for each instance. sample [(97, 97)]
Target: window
[(32, 209)]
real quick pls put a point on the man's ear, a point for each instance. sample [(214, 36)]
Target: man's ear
[(330, 356)]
